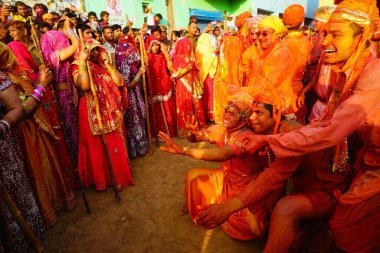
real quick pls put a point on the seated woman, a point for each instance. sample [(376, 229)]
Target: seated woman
[(237, 168), (92, 162)]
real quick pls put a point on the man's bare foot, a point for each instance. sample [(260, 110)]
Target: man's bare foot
[(184, 210)]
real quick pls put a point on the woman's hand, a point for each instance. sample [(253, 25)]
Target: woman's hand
[(301, 99), (191, 125), (46, 76), (83, 56), (172, 146), (142, 70), (105, 59)]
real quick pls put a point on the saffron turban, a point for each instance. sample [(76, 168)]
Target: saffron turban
[(241, 19), (294, 15), (323, 14), (274, 23)]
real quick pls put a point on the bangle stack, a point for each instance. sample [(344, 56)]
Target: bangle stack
[(82, 67), (137, 78), (38, 92)]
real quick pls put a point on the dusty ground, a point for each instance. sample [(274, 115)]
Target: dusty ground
[(147, 219)]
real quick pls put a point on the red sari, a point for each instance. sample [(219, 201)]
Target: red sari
[(92, 161), (162, 94), (188, 87)]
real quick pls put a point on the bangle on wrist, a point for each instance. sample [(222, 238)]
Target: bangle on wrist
[(137, 78), (111, 70), (83, 67), (6, 123)]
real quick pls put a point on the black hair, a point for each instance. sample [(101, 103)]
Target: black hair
[(155, 29), (83, 27), (103, 13), (177, 33), (126, 30), (115, 27), (61, 24), (107, 27), (44, 24), (92, 13), (268, 107), (192, 22), (158, 15), (40, 5), (19, 3)]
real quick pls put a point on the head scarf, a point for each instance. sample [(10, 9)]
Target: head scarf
[(274, 23), (294, 15), (154, 42), (241, 103), (241, 19), (323, 14)]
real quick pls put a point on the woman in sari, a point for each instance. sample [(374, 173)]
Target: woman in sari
[(58, 48), (188, 88), (38, 132), (127, 61), (12, 171), (162, 89), (92, 161)]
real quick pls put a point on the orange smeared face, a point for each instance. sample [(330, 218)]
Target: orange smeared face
[(261, 119), (340, 42)]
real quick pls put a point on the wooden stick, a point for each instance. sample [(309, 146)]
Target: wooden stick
[(100, 123), (143, 53), (68, 141), (20, 220)]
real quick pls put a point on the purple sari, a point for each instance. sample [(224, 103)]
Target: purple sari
[(13, 176), (52, 42), (127, 62)]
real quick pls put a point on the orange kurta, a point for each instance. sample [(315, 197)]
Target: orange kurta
[(205, 186)]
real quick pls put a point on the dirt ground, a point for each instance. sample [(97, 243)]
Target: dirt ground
[(147, 219)]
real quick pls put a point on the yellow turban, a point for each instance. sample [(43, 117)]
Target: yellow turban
[(323, 14), (274, 23), (47, 16)]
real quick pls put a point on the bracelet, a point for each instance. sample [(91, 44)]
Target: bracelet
[(111, 70), (36, 97), (184, 150), (137, 78), (83, 67), (5, 123)]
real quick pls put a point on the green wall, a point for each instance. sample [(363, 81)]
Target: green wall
[(180, 8)]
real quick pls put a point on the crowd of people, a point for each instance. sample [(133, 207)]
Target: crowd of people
[(80, 97)]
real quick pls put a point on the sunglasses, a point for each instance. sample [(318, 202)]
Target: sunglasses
[(264, 34)]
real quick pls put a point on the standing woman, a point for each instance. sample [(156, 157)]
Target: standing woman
[(127, 61), (12, 170), (162, 89), (92, 162), (188, 88), (36, 133)]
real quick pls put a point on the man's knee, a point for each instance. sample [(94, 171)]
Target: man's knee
[(285, 209)]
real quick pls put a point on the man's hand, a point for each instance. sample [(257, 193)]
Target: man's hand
[(254, 143), (172, 146), (301, 100), (212, 216), (191, 125)]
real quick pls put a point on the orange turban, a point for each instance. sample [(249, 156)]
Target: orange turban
[(241, 103), (294, 15), (241, 19)]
